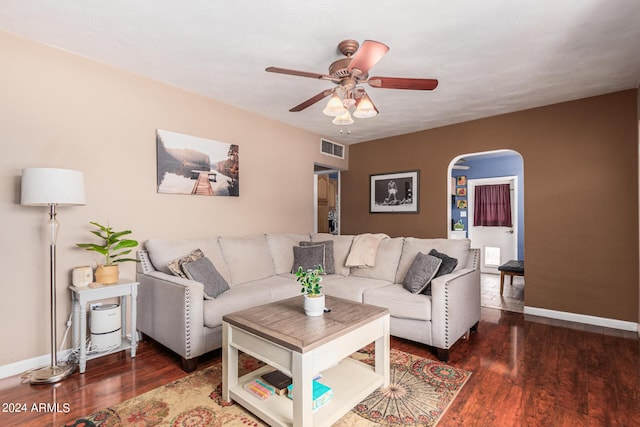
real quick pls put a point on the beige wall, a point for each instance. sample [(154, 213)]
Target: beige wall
[(581, 196), (61, 110)]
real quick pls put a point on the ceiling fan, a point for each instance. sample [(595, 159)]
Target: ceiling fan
[(348, 74)]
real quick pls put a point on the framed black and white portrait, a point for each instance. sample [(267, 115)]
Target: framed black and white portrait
[(394, 192)]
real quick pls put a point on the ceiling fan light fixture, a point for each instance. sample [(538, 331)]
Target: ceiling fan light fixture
[(348, 102), (334, 107), (343, 120), (365, 108)]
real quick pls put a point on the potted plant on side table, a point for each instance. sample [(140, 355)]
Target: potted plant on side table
[(114, 249), (312, 289)]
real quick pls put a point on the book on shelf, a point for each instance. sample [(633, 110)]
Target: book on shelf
[(322, 394), (278, 380)]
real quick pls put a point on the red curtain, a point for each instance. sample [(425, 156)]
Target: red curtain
[(492, 206)]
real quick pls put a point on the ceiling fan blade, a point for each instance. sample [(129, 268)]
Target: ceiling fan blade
[(368, 55), (297, 73), (309, 102), (402, 83)]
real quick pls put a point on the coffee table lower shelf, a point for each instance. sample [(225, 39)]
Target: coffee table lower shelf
[(351, 381)]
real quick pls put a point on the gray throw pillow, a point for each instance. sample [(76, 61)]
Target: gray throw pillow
[(307, 257), (202, 270), (329, 265), (448, 264), (175, 266), (422, 270)]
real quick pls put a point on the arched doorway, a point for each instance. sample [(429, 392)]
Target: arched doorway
[(497, 246)]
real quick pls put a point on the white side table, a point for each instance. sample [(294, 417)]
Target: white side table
[(82, 296)]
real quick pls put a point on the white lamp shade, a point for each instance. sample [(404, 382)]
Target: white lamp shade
[(343, 120), (334, 106), (365, 108), (48, 186)]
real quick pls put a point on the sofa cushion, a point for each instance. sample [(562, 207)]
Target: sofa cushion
[(307, 257), (239, 297), (280, 245), (341, 248), (448, 263), (279, 287), (351, 288), (175, 266), (247, 257), (387, 260), (202, 270), (329, 265), (455, 248), (400, 302), (164, 251), (423, 269)]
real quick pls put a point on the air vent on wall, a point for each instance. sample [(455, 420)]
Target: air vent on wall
[(332, 148)]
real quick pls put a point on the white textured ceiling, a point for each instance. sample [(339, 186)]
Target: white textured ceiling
[(490, 56)]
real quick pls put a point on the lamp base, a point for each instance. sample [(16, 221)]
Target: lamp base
[(51, 374)]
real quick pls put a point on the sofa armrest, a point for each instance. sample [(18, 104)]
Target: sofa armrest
[(455, 305), (170, 310), (473, 260)]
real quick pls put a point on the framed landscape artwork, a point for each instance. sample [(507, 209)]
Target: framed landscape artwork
[(394, 192), (198, 166)]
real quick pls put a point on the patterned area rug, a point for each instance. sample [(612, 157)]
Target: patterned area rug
[(420, 392)]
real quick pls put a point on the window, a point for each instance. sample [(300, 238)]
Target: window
[(492, 206)]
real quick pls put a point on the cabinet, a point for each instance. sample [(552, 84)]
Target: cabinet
[(332, 193), (327, 197), (323, 186)]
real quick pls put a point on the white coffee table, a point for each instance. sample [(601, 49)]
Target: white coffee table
[(281, 335)]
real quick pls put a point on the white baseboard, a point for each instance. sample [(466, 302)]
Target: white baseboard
[(583, 318), (22, 366)]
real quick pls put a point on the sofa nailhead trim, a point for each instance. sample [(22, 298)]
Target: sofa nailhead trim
[(446, 319), (144, 262), (187, 315)]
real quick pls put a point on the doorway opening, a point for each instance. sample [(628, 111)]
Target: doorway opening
[(326, 189), (498, 243)]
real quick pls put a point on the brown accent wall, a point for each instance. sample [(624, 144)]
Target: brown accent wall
[(580, 186)]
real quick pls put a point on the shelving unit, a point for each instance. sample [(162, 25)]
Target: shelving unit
[(351, 381)]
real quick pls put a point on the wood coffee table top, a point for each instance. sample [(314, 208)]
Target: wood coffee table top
[(284, 322)]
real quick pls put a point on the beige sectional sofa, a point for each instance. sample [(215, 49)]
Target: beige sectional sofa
[(173, 310)]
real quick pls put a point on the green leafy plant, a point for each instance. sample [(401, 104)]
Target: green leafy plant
[(112, 246), (310, 280)]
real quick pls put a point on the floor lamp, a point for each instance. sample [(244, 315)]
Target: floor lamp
[(52, 187)]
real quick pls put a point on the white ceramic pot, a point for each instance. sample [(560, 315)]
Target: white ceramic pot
[(314, 305)]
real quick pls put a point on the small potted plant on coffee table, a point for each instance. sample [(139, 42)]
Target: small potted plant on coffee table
[(113, 248), (312, 289)]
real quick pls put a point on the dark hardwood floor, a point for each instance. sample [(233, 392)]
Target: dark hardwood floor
[(527, 371)]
